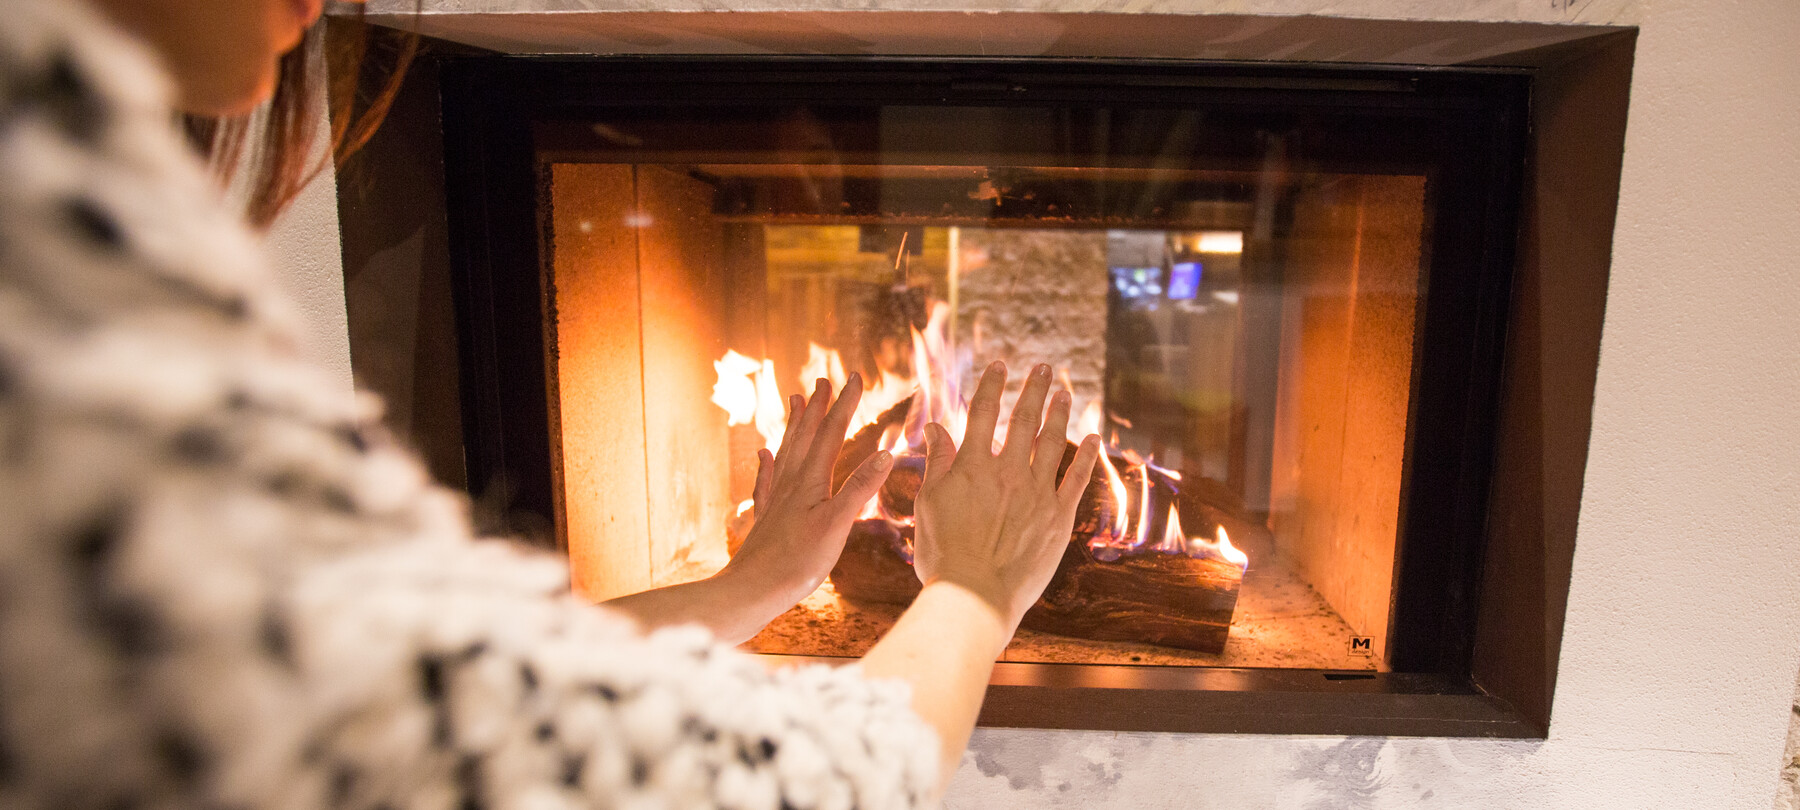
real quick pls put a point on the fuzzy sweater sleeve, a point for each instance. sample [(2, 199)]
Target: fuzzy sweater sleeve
[(222, 586)]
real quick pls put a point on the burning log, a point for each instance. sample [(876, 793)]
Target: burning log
[(1132, 590)]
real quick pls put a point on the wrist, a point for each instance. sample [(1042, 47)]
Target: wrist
[(762, 591), (979, 614)]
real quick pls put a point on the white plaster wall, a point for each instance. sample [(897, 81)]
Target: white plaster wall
[(303, 247), (1683, 628)]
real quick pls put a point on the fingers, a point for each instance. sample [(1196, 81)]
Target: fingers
[(1075, 480), (829, 440), (1047, 450), (864, 483), (796, 446), (984, 411), (940, 452), (784, 458), (765, 475), (1028, 412)]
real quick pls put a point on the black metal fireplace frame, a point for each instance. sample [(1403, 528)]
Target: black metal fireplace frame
[(490, 105)]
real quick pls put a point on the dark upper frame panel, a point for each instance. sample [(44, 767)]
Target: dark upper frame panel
[(489, 103)]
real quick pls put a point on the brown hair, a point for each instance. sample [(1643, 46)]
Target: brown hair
[(277, 159)]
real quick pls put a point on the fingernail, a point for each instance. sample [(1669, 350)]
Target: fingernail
[(883, 460), (1042, 370), (855, 377), (1060, 397)]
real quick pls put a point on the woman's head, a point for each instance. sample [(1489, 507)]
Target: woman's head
[(223, 54), (231, 57)]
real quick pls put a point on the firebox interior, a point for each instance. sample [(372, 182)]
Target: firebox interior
[(1242, 336)]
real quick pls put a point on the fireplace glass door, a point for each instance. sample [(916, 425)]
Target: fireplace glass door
[(1235, 298)]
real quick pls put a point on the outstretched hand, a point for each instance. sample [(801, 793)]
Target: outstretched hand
[(798, 534), (991, 529), (996, 524), (800, 524)]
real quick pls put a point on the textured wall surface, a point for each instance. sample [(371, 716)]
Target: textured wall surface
[(1683, 630)]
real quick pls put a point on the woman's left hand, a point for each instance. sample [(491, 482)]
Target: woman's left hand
[(800, 524), (799, 530)]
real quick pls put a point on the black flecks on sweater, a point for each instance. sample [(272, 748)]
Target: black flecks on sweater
[(199, 444), (131, 623), (71, 102), (93, 543), (572, 767), (181, 756), (93, 225), (276, 639), (469, 782), (338, 500), (353, 436), (342, 784), (528, 678)]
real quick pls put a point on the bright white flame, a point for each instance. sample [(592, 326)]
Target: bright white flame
[(771, 415), (1220, 547), (822, 362), (746, 390), (1220, 242), (1230, 552), (746, 505), (1143, 521), (1174, 541), (735, 392), (1116, 486), (939, 398)]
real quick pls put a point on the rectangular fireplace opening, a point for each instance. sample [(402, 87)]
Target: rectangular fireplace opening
[(1244, 347), (1278, 293)]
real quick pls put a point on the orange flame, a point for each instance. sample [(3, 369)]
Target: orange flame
[(1219, 547), (747, 392), (1143, 516), (1174, 541)]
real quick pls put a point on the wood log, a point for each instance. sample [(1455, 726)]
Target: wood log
[(1143, 595)]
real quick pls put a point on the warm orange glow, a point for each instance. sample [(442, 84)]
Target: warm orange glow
[(1219, 242), (1121, 500), (1143, 517), (735, 392), (822, 362), (1230, 552), (1174, 541), (1219, 547), (771, 415), (747, 392)]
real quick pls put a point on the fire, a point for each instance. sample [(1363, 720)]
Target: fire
[(748, 392), (735, 391), (1116, 486), (822, 363), (1219, 547)]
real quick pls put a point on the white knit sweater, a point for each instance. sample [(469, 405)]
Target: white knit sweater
[(221, 586)]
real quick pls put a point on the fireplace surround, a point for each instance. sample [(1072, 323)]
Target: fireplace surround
[(1429, 687)]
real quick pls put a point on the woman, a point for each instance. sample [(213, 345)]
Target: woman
[(221, 586)]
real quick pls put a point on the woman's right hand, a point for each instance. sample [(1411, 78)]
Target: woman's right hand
[(997, 524)]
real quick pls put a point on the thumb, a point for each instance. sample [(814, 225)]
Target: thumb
[(940, 451), (862, 484)]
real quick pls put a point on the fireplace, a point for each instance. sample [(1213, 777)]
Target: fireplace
[(1278, 293)]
